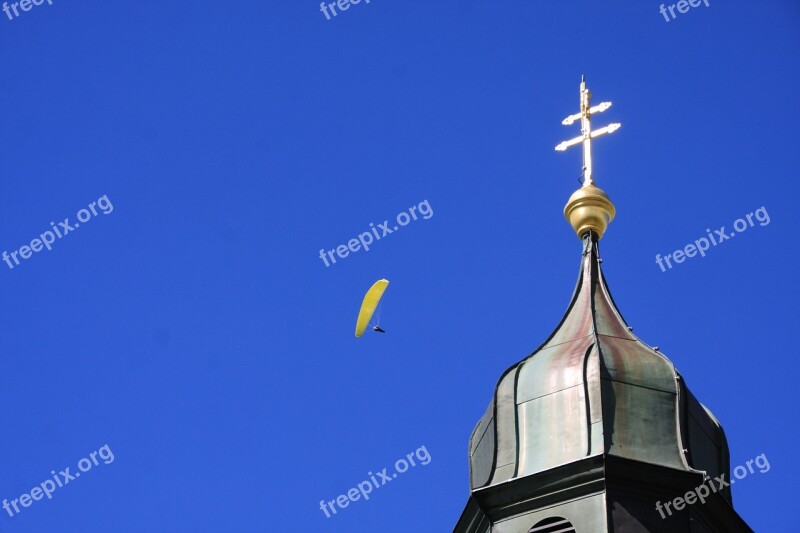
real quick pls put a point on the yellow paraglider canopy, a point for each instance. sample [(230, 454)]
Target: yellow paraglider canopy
[(369, 304)]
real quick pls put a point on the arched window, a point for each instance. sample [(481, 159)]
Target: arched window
[(554, 524)]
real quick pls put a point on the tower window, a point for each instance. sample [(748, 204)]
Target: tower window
[(554, 524)]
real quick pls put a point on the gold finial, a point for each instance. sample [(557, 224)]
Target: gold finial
[(589, 208)]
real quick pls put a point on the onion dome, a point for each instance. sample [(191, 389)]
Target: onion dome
[(593, 388)]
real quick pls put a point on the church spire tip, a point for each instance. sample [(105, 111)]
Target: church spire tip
[(589, 208)]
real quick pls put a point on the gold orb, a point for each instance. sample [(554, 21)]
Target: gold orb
[(589, 209)]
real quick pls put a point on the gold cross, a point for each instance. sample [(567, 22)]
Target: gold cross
[(586, 131)]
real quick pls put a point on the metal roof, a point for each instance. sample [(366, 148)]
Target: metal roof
[(593, 388)]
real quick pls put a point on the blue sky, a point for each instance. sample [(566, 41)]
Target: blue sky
[(195, 330)]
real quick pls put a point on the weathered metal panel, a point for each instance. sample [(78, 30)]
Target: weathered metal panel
[(706, 441), (506, 421), (553, 369), (593, 374), (550, 431), (482, 449), (578, 320), (634, 363), (640, 424), (608, 319), (597, 439)]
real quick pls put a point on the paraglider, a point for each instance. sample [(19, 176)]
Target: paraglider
[(371, 300)]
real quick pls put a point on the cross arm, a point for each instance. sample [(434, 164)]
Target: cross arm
[(599, 108), (611, 128), (572, 142)]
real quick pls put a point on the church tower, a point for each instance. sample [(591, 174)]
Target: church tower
[(596, 431)]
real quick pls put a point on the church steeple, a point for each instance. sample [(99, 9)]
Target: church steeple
[(595, 427)]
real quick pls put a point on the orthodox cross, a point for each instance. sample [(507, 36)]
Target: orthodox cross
[(586, 130)]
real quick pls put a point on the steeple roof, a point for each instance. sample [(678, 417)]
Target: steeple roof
[(593, 388)]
